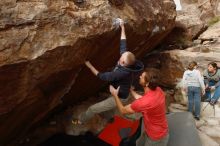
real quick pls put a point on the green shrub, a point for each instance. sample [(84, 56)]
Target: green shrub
[(213, 20)]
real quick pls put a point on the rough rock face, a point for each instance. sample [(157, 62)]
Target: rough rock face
[(193, 19), (189, 18), (209, 9), (171, 64), (188, 26), (45, 43)]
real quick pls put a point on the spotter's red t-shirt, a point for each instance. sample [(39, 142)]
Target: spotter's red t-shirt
[(152, 106)]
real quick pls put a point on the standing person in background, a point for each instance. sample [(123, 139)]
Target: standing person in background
[(152, 106), (193, 85), (212, 82)]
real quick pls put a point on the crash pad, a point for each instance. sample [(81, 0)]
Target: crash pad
[(182, 130), (111, 133)]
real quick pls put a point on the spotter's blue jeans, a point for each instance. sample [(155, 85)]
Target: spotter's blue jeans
[(194, 99), (216, 94)]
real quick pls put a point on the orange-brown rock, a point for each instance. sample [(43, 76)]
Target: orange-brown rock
[(171, 64), (192, 20), (44, 43)]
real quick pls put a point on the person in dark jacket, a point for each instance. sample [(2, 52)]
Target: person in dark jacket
[(122, 75), (152, 106)]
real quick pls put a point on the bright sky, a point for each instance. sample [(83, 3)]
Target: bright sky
[(178, 5)]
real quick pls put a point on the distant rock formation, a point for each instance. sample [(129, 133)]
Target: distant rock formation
[(171, 64)]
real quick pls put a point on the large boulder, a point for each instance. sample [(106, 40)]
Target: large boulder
[(189, 18), (212, 34), (209, 9), (206, 140), (43, 46), (171, 64), (194, 17)]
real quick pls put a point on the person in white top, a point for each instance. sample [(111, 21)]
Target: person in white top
[(193, 84)]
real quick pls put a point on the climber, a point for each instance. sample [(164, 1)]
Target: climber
[(152, 106), (122, 75), (212, 83)]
